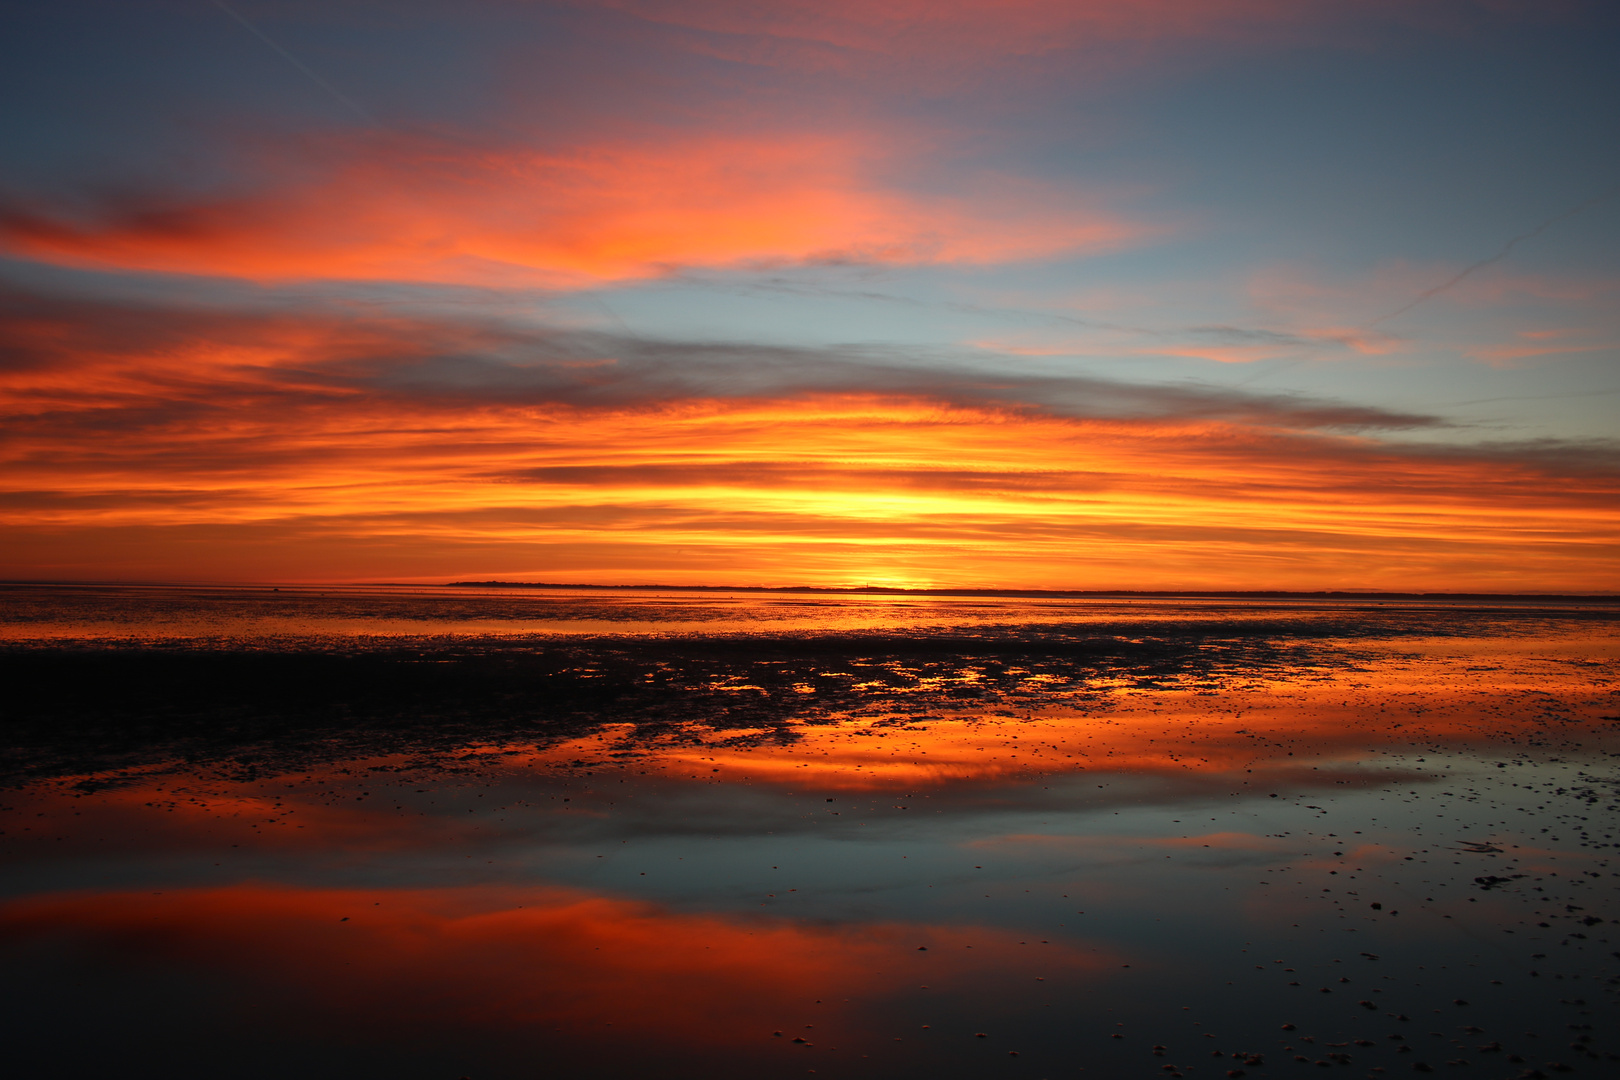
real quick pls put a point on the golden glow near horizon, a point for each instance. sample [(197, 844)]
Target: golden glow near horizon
[(825, 490)]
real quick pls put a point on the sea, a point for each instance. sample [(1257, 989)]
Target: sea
[(484, 832)]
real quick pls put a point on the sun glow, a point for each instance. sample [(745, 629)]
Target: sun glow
[(845, 489)]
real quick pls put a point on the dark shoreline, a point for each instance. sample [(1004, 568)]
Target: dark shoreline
[(1597, 597), (71, 708)]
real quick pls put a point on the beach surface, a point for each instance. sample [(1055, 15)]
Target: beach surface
[(487, 833)]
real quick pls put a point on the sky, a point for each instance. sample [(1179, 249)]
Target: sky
[(1065, 294)]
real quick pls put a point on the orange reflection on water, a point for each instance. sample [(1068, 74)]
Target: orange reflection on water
[(509, 957), (157, 814), (1261, 728)]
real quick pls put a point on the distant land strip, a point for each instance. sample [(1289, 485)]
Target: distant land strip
[(894, 590)]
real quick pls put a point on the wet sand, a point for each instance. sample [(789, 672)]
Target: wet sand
[(439, 833)]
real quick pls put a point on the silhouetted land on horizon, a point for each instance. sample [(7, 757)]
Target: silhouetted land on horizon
[(891, 590), (1601, 596)]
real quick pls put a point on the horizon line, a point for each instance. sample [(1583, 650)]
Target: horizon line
[(901, 590), (855, 590)]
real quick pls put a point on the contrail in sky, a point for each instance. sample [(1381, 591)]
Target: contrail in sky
[(297, 63), (1456, 279), (1499, 256)]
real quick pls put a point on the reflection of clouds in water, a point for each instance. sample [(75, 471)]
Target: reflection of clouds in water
[(1269, 731), (508, 958), (688, 865)]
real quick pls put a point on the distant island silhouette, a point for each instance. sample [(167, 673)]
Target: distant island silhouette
[(894, 590)]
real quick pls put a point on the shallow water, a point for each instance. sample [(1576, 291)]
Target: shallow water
[(446, 833)]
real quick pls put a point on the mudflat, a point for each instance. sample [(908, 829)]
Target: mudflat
[(445, 832)]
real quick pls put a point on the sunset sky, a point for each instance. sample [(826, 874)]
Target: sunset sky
[(1085, 294)]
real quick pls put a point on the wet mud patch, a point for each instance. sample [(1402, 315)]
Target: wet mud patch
[(275, 707), (1197, 843)]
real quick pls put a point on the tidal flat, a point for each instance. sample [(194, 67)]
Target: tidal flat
[(423, 832)]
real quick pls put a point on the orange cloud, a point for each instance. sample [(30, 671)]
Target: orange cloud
[(415, 209), (203, 443), (1301, 342), (823, 490), (1507, 356)]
